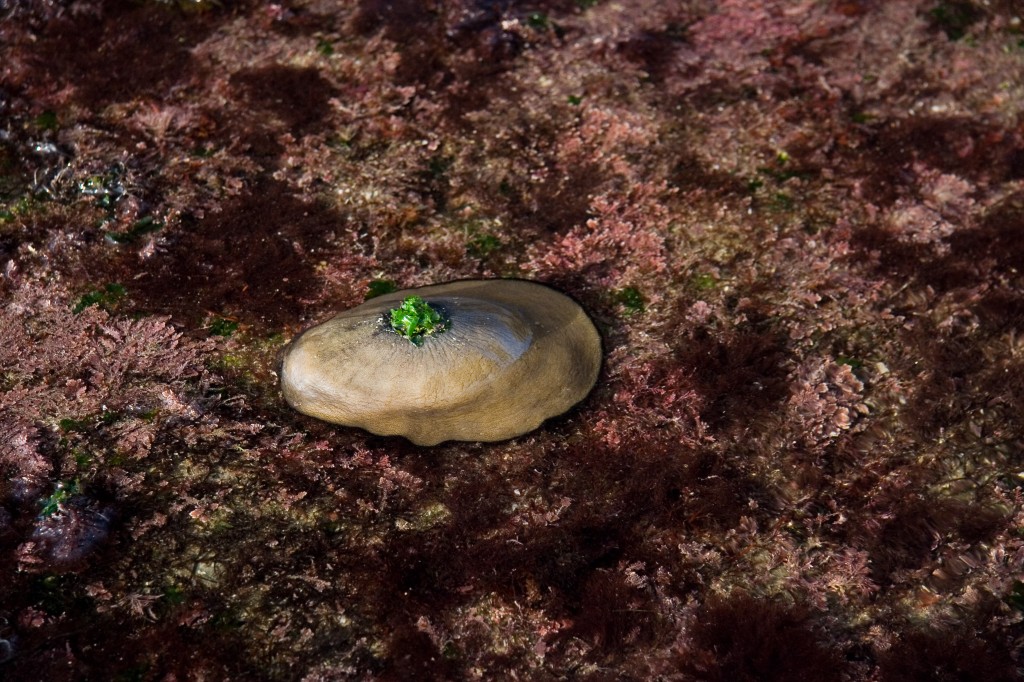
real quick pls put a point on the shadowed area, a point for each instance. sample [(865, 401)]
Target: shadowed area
[(253, 259)]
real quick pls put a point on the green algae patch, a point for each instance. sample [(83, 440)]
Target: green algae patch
[(139, 229), (107, 298), (223, 327), (416, 319), (61, 494), (47, 120), (704, 282), (482, 245), (631, 299), (379, 287)]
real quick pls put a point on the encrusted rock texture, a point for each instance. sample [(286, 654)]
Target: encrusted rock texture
[(798, 225)]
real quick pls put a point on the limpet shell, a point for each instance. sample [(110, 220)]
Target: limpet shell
[(515, 353)]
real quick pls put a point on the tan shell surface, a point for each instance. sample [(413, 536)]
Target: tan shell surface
[(516, 353)]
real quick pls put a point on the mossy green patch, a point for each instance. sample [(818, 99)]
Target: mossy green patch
[(140, 228), (62, 493), (416, 319), (69, 425), (47, 120), (18, 206), (105, 418), (379, 287), (107, 298), (324, 47), (538, 20), (1015, 599), (483, 245), (82, 459), (221, 326), (174, 595), (704, 282), (631, 299)]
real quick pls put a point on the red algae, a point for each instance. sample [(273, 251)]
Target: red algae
[(796, 225)]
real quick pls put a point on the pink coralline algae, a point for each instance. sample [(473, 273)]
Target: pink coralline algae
[(797, 227)]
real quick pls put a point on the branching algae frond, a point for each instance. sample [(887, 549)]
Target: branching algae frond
[(416, 319)]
